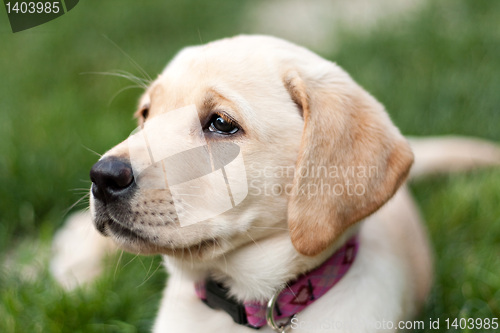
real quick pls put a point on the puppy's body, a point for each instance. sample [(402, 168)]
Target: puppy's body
[(293, 109), (389, 280)]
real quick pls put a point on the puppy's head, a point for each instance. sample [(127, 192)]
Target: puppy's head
[(243, 138)]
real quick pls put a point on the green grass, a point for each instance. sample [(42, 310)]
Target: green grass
[(437, 73)]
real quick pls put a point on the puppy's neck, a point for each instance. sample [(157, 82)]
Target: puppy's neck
[(255, 271)]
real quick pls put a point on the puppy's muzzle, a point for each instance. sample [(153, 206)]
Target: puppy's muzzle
[(112, 178)]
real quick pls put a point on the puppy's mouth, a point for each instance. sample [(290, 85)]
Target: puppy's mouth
[(140, 242), (123, 232), (110, 226)]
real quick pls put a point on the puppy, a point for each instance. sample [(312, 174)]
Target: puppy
[(273, 185)]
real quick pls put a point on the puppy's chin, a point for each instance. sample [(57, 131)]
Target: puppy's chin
[(203, 251), (141, 242)]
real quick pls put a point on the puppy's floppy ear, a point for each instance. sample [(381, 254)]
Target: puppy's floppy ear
[(352, 159)]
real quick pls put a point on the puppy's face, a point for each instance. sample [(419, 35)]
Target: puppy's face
[(207, 97), (275, 110)]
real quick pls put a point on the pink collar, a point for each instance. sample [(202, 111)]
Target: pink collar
[(300, 293)]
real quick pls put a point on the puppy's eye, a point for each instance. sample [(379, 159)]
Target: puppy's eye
[(144, 112), (222, 125)]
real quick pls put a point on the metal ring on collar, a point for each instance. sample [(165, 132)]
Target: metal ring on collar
[(280, 328)]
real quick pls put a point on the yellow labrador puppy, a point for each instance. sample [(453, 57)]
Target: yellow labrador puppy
[(273, 185)]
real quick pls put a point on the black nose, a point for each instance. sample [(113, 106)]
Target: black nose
[(111, 178)]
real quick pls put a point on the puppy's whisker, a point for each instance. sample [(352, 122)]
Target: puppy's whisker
[(251, 238), (86, 209), (84, 200), (191, 256), (147, 276), (224, 254), (188, 212), (130, 77), (138, 82), (133, 77), (134, 86), (216, 243), (86, 196), (225, 261), (117, 264), (81, 193), (134, 63), (133, 258), (184, 250), (151, 275), (199, 36), (162, 220), (150, 266), (188, 205), (142, 264), (92, 151), (79, 189), (271, 228), (199, 246), (189, 195)]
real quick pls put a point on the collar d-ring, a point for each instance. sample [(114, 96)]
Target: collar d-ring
[(279, 328)]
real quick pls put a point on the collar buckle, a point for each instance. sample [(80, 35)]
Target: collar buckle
[(217, 298)]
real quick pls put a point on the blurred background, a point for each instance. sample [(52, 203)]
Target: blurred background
[(433, 64)]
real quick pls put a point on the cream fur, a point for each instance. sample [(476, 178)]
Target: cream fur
[(268, 86)]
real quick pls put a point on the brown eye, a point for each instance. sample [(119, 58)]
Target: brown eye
[(220, 125), (144, 112)]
